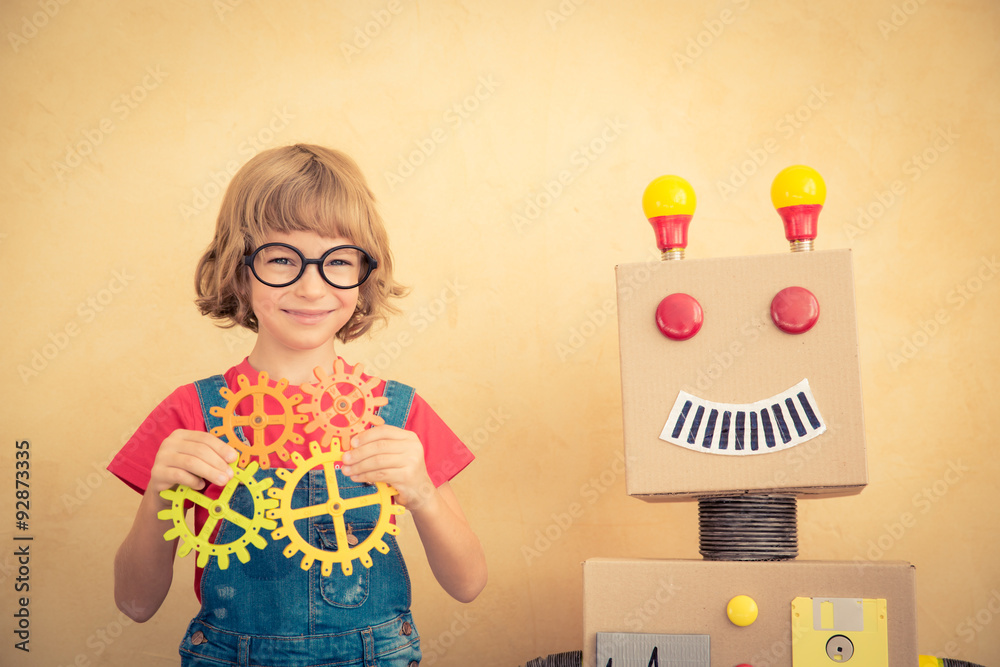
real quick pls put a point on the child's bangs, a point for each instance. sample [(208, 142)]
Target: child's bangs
[(317, 202)]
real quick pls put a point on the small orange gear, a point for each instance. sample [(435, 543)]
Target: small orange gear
[(336, 507), (342, 404), (259, 419)]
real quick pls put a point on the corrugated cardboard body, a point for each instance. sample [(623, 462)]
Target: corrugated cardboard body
[(690, 597), (740, 356)]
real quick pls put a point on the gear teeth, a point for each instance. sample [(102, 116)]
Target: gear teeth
[(272, 505), (258, 420), (341, 419), (201, 542), (344, 554), (174, 532)]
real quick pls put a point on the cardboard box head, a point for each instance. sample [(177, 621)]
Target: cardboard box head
[(742, 405)]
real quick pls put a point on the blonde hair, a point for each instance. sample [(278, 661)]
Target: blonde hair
[(294, 188)]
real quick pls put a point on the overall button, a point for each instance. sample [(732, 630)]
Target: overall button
[(198, 638), (414, 663), (407, 629)]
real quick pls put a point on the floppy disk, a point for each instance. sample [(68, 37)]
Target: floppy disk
[(839, 631)]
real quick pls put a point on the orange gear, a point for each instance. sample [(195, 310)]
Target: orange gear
[(258, 420), (335, 507), (350, 408)]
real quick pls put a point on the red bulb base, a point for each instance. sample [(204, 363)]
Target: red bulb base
[(671, 231), (800, 221)]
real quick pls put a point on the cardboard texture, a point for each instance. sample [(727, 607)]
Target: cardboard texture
[(741, 357), (690, 597)]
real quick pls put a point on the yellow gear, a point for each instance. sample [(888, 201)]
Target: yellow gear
[(259, 419), (335, 507), (343, 417), (219, 510)]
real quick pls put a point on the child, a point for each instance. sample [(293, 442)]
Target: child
[(300, 256)]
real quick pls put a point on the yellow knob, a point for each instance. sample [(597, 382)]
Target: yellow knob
[(742, 610)]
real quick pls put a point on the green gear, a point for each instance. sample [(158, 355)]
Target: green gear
[(219, 510)]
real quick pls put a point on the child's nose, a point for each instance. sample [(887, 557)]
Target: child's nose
[(312, 281)]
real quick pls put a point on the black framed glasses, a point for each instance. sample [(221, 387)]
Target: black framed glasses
[(280, 265)]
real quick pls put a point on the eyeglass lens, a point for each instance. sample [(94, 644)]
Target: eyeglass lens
[(282, 265)]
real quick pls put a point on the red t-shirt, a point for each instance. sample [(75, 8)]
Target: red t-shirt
[(444, 454)]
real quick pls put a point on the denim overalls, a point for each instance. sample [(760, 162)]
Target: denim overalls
[(270, 612)]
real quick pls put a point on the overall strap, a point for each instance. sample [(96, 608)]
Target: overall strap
[(209, 397), (397, 410)]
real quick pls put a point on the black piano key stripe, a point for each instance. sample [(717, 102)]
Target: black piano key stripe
[(740, 423), (787, 421), (768, 431), (779, 420), (710, 429), (680, 419), (695, 423), (724, 431), (793, 413), (810, 415)]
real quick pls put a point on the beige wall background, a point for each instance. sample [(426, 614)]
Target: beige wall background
[(508, 144)]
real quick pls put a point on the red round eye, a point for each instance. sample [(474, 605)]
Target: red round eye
[(795, 310), (679, 316)]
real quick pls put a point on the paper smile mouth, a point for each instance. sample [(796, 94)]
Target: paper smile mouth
[(739, 429)]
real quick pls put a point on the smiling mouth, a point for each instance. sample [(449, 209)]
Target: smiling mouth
[(769, 425), (308, 316)]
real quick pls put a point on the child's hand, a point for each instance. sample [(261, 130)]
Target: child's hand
[(394, 456), (191, 458)]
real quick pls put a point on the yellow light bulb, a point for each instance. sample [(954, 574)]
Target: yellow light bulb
[(669, 204), (798, 193), (668, 195)]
